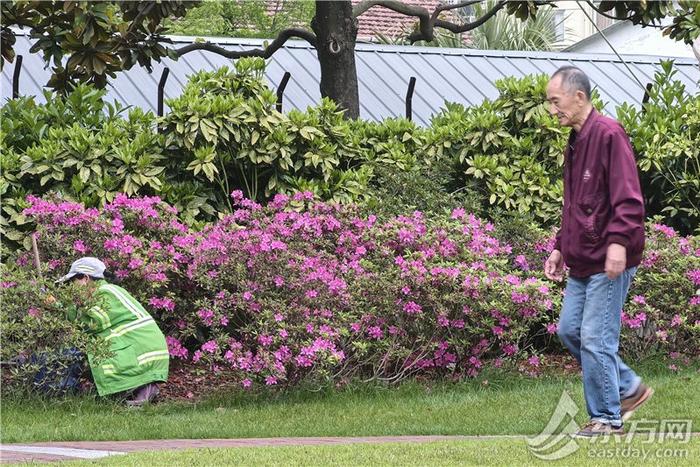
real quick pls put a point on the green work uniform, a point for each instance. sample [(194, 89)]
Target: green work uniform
[(139, 351)]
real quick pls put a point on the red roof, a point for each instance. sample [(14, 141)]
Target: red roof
[(380, 20)]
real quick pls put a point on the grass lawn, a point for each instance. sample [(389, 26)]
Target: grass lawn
[(443, 453), (497, 403)]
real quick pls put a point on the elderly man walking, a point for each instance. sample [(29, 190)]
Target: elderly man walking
[(601, 240)]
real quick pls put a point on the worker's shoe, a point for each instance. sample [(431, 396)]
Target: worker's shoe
[(596, 428), (629, 404), (144, 395)]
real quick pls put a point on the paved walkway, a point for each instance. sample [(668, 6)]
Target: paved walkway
[(71, 450), (75, 450)]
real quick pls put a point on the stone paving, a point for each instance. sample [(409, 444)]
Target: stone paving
[(76, 450), (71, 450)]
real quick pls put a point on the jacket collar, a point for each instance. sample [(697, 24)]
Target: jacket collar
[(587, 124)]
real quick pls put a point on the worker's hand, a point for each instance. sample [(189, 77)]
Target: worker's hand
[(615, 260), (554, 266)]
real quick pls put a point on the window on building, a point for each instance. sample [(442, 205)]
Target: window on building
[(559, 26)]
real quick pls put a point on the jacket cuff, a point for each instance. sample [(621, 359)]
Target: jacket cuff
[(557, 243), (619, 239)]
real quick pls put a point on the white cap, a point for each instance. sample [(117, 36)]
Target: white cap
[(88, 265)]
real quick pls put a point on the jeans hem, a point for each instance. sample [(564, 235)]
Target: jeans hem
[(633, 388)]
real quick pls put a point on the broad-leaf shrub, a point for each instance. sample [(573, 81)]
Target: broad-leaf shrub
[(79, 146), (665, 135), (510, 149), (226, 130)]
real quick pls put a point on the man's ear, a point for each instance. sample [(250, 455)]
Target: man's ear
[(581, 96)]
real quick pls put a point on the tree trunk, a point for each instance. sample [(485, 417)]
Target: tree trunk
[(336, 32)]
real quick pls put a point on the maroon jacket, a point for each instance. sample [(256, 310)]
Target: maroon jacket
[(603, 201)]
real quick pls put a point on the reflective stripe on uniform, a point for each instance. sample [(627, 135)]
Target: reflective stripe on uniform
[(128, 303), (153, 356), (101, 316), (121, 330)]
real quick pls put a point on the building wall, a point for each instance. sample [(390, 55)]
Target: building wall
[(635, 40), (576, 26)]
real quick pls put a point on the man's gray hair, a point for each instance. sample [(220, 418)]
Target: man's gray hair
[(574, 79)]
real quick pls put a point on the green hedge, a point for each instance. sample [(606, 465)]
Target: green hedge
[(224, 133)]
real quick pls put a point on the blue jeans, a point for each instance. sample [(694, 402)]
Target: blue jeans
[(589, 326)]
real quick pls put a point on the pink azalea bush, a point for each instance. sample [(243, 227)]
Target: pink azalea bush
[(305, 291), (663, 311)]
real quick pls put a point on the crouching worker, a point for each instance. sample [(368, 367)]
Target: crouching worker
[(140, 356)]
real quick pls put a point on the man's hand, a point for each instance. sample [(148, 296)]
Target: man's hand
[(554, 266), (615, 260)]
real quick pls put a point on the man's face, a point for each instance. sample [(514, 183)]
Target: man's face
[(564, 104)]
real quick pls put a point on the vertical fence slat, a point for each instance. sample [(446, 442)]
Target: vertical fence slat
[(15, 77), (409, 98), (280, 89)]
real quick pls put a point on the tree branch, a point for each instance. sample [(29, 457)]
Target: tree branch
[(267, 52), (448, 6), (426, 27), (617, 18), (139, 18), (458, 28)]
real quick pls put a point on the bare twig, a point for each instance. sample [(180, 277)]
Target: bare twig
[(37, 261), (457, 28), (267, 52), (426, 27)]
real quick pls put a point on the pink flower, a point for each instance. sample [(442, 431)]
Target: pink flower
[(210, 346), (265, 340), (534, 361), (521, 262), (518, 297), (206, 316), (676, 321), (458, 213), (552, 328), (270, 380), (34, 312), (80, 247), (311, 294), (664, 229), (639, 299), (246, 383), (375, 332), (412, 308), (175, 347), (163, 303)]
